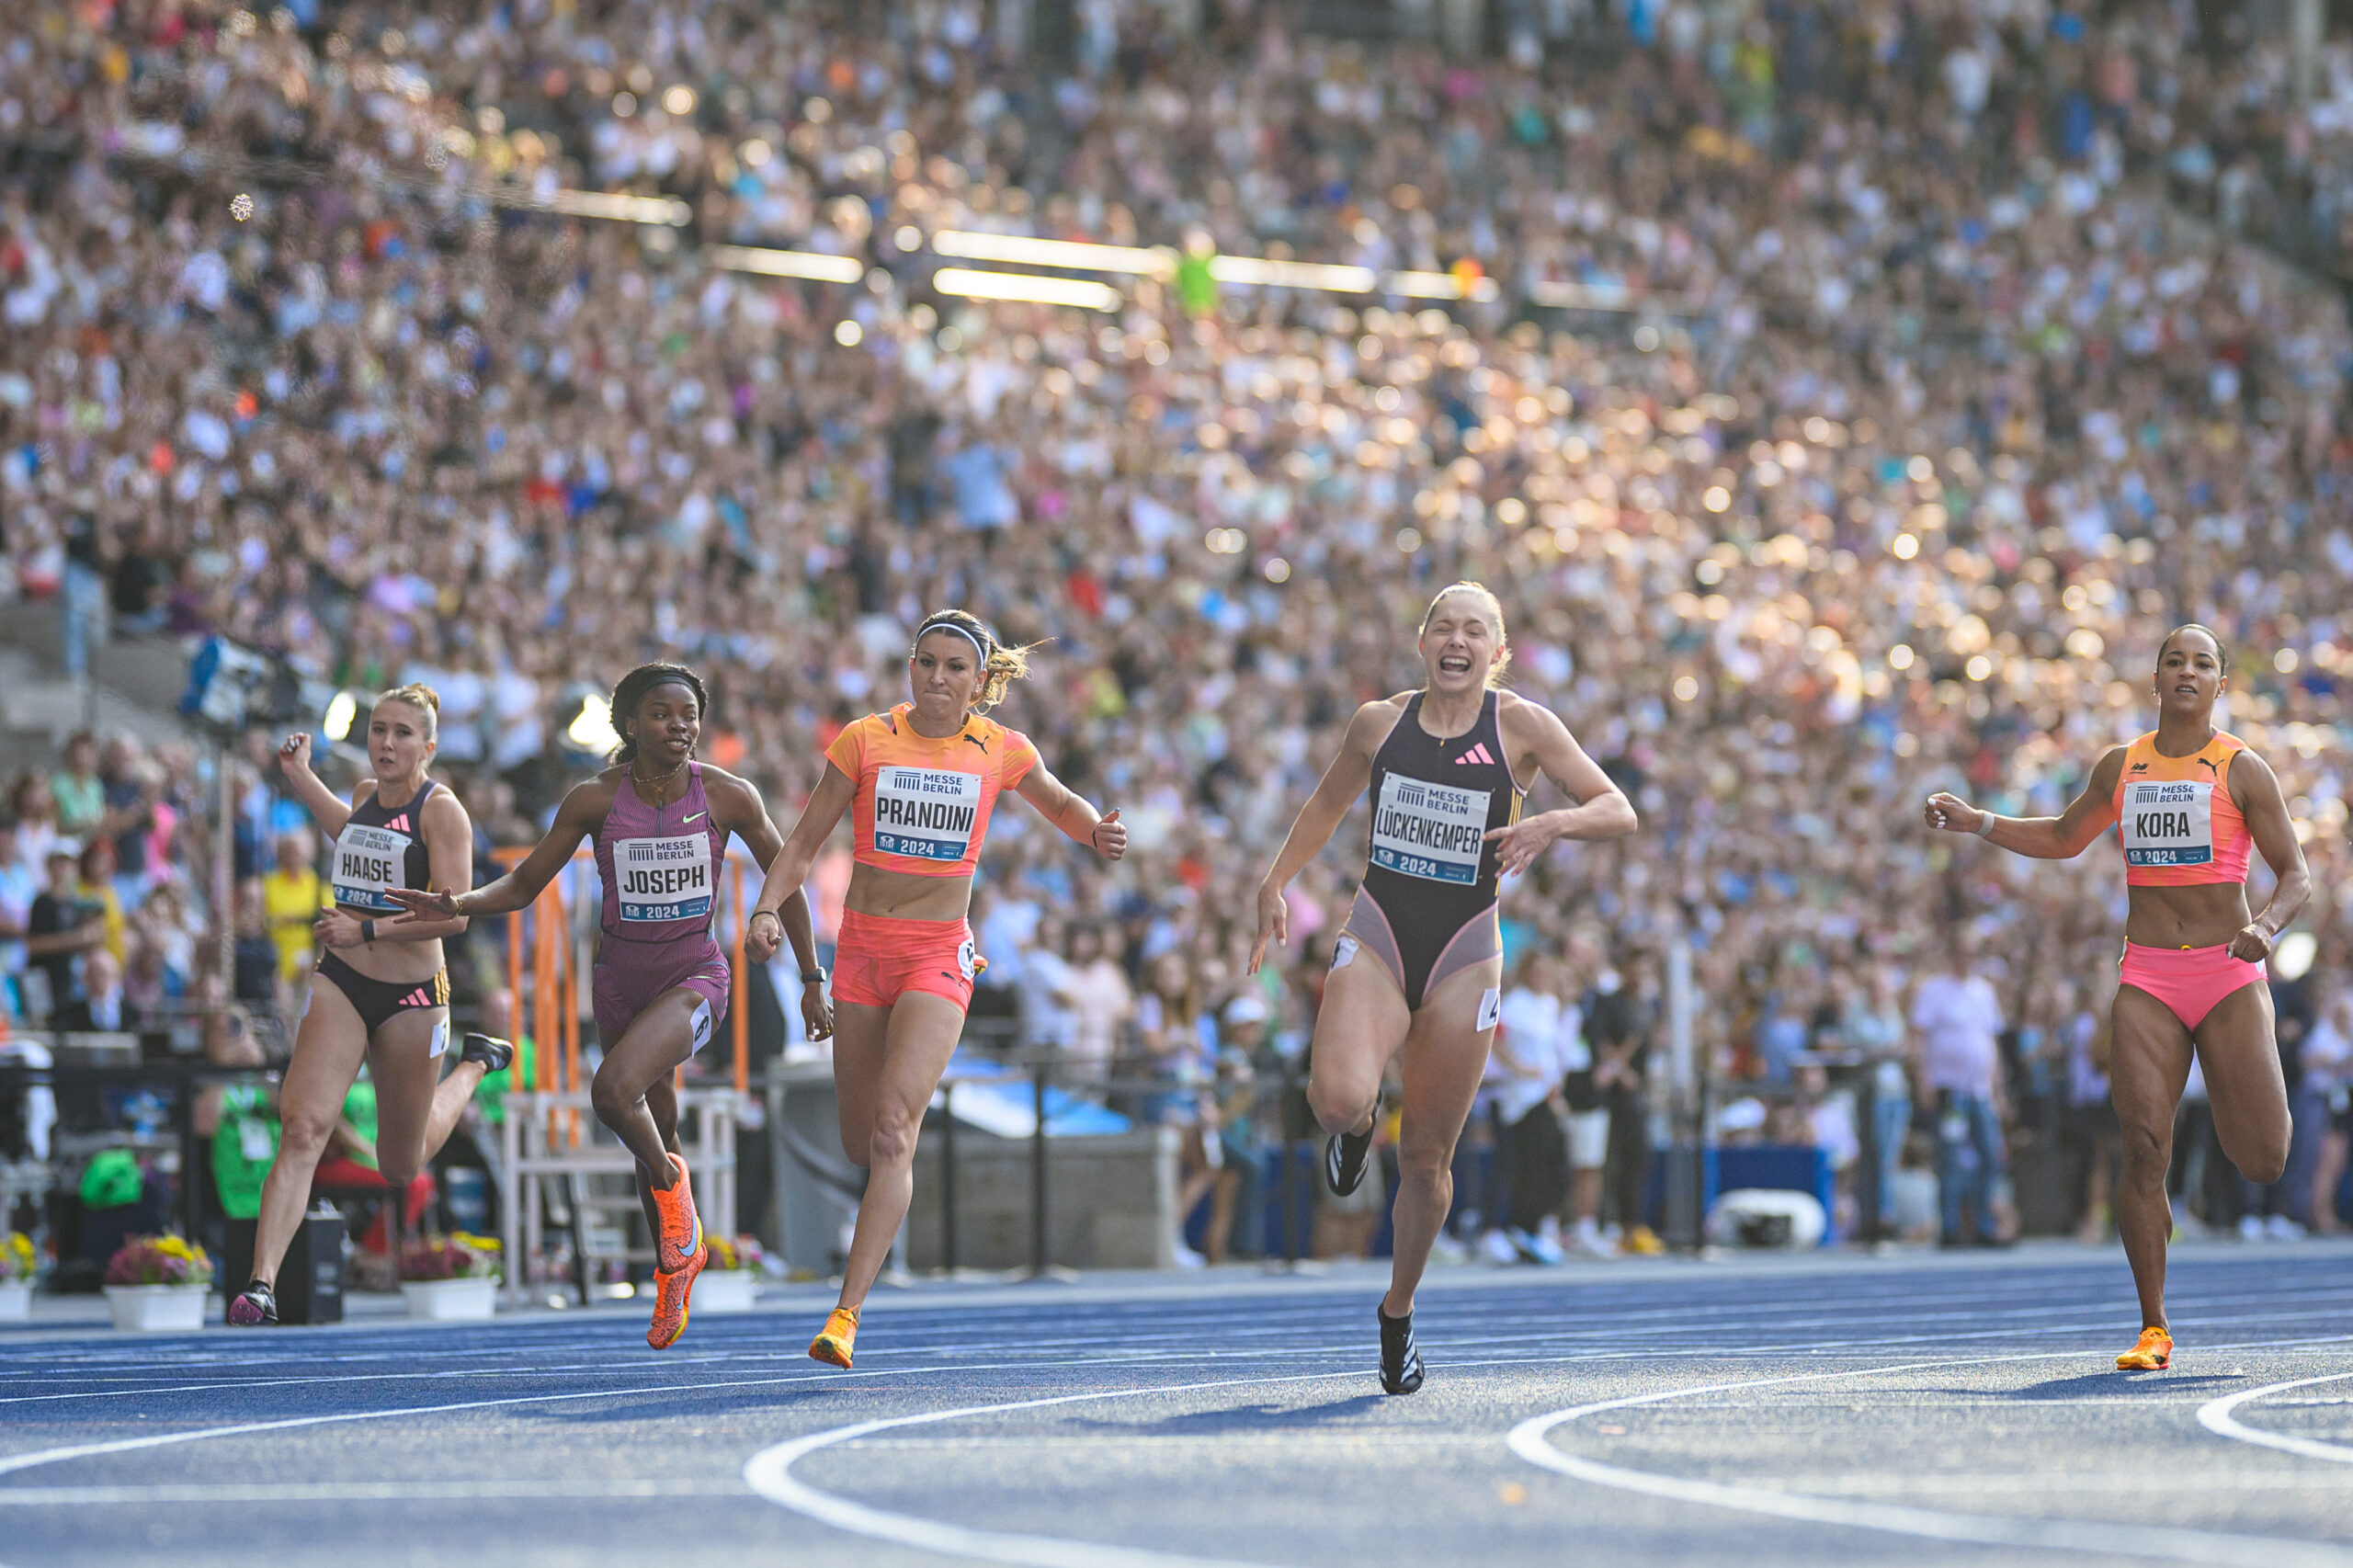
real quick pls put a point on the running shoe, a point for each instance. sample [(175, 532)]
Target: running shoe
[(2151, 1353), (672, 1292), (1344, 1157), (681, 1226), (836, 1339), (490, 1053), (255, 1306), (1401, 1359)]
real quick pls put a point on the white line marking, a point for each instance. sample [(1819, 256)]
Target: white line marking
[(2217, 1417), (2100, 1537), (365, 1492), (769, 1474)]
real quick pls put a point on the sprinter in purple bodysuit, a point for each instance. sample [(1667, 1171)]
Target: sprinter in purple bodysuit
[(660, 820)]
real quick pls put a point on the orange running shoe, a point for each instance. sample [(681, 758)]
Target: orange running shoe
[(2153, 1353), (833, 1345), (671, 1294), (681, 1235)]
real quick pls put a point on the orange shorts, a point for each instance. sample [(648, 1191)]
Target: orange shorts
[(879, 960)]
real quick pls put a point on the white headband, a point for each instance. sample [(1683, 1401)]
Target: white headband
[(959, 629)]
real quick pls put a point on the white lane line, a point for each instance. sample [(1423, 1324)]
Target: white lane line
[(367, 1491), (2098, 1536), (769, 1474), (2217, 1417)]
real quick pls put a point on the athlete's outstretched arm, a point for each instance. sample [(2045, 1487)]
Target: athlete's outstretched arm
[(329, 810), (448, 836), (1349, 777), (788, 868), (584, 807), (2267, 820), (1601, 810), (1078, 821), (2062, 837), (736, 806)]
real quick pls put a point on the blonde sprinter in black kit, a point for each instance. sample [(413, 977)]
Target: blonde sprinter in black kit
[(1419, 964)]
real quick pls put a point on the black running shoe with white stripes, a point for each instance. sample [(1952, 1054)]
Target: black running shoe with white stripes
[(255, 1306), (1344, 1157), (1401, 1359), (492, 1052)]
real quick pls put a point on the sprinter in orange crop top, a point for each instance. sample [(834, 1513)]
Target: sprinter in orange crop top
[(2188, 803), (920, 781)]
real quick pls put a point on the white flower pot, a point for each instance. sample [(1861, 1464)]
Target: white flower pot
[(452, 1300), (15, 1301), (728, 1291), (153, 1309)]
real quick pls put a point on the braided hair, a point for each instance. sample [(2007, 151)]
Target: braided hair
[(632, 690), (1001, 665)]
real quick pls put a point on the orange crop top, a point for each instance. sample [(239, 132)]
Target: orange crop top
[(922, 806), (2175, 817)]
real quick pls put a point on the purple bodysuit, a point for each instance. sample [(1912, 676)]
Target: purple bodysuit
[(660, 868)]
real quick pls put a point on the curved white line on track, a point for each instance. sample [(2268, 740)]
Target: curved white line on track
[(2216, 1417), (2098, 1536), (769, 1474)]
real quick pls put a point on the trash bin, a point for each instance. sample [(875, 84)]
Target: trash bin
[(310, 1282)]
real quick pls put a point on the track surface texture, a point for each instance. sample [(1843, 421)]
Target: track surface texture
[(1924, 1409)]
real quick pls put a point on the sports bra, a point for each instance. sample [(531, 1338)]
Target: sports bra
[(2174, 817), (379, 851), (922, 806)]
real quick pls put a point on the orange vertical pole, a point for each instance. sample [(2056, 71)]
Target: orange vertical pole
[(738, 1017)]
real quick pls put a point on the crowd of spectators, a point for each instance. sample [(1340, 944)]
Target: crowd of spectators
[(1888, 407)]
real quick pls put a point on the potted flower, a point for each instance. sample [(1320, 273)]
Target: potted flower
[(158, 1283), (451, 1276), (18, 1263), (729, 1274)]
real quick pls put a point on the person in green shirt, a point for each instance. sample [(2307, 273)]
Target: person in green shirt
[(239, 1120), (80, 794)]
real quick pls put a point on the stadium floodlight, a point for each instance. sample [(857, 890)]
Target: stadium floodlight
[(342, 708), (1071, 256), (815, 265), (1321, 276), (665, 212), (2294, 959), (1026, 287), (592, 728), (1437, 285)]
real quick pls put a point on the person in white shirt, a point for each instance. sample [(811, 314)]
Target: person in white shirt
[(1534, 1147), (1960, 1020)]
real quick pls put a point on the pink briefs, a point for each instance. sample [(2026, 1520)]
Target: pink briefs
[(2190, 981)]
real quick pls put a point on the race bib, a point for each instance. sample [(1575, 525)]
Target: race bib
[(664, 879), (2167, 823), (926, 814), (1430, 831), (369, 862)]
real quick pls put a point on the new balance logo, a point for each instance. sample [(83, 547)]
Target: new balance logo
[(1478, 752)]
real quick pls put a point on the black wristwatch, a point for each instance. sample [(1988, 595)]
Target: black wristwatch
[(818, 978), (367, 930)]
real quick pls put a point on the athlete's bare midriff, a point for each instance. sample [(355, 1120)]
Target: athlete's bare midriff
[(904, 895), (2193, 916)]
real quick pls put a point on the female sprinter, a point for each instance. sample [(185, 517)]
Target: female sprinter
[(1443, 765), (923, 778), (660, 822), (379, 992), (2188, 802)]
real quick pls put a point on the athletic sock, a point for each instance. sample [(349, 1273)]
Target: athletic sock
[(1344, 1157)]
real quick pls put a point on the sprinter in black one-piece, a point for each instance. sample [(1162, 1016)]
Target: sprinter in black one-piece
[(1418, 966)]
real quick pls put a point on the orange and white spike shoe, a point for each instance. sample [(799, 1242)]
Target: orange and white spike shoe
[(672, 1292), (2151, 1353), (681, 1235), (837, 1339)]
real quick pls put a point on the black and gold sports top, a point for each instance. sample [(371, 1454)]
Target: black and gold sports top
[(1434, 803), (380, 849)]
